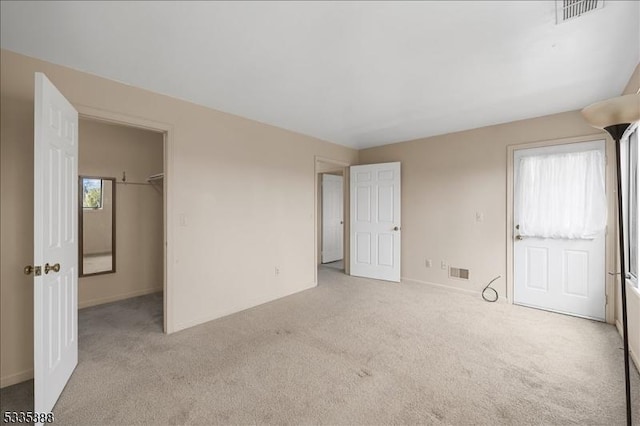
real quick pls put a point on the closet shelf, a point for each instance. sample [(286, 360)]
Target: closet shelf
[(155, 177)]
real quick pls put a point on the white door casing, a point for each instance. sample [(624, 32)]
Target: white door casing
[(557, 274), (332, 218), (55, 243), (375, 221)]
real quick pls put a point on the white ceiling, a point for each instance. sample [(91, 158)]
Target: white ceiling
[(359, 74)]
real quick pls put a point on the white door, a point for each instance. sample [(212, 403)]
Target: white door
[(375, 221), (560, 274), (332, 218), (55, 243)]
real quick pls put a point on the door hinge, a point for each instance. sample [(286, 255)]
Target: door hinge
[(606, 299)]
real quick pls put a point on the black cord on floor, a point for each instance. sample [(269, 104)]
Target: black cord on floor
[(495, 293)]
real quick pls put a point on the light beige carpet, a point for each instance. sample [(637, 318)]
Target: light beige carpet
[(352, 351)]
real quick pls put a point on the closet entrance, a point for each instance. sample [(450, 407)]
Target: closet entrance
[(332, 242), (121, 213)]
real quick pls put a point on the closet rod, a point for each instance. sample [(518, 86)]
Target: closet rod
[(133, 183)]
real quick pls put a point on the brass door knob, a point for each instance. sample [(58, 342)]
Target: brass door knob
[(519, 237), (54, 268), (36, 270)]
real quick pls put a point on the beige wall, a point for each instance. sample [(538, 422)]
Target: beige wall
[(240, 203), (108, 150), (446, 180)]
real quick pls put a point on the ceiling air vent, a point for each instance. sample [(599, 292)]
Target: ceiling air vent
[(569, 9)]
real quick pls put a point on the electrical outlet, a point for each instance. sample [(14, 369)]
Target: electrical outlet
[(277, 271), (443, 265), (427, 263), (479, 217)]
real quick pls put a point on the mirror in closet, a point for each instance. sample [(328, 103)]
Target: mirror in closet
[(97, 223)]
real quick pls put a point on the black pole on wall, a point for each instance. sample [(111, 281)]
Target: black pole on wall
[(616, 131)]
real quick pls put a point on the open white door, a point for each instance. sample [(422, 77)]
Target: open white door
[(375, 221), (332, 218), (55, 243), (560, 273)]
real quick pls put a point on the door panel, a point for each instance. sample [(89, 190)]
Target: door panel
[(537, 268), (363, 204), (375, 221), (560, 274), (575, 278), (55, 243)]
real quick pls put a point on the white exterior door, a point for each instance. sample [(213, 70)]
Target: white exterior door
[(375, 221), (559, 274), (332, 218), (55, 243)]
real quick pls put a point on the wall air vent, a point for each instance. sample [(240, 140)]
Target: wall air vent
[(569, 9), (460, 273)]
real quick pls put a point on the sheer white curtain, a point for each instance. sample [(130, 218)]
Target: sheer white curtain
[(562, 195)]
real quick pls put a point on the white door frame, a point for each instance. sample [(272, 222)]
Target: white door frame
[(330, 183), (97, 114), (345, 205), (610, 243)]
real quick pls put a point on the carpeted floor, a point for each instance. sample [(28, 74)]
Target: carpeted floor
[(352, 351), (339, 265)]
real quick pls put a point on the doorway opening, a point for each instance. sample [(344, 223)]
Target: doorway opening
[(332, 237), (121, 215)]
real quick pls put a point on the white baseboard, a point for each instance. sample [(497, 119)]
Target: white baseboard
[(466, 291), (202, 320), (121, 296), (16, 378), (634, 356)]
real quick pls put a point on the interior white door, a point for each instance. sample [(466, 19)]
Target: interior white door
[(559, 274), (332, 218), (375, 221), (55, 243)]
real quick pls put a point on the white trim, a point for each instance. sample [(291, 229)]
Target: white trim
[(345, 192), (15, 378), (632, 127), (626, 169), (92, 113), (610, 242), (121, 296), (635, 357)]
